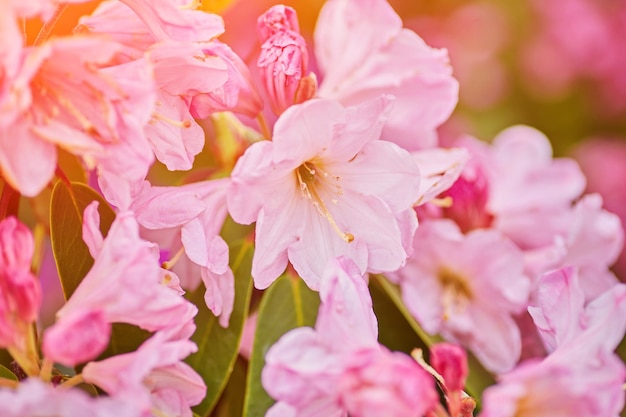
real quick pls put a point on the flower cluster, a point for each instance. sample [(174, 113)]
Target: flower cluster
[(145, 147)]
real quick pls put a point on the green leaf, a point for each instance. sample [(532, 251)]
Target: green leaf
[(478, 379), (394, 331), (66, 221), (218, 347), (7, 374), (287, 304), (231, 401), (72, 256)]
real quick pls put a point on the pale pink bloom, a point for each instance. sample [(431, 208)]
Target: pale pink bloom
[(581, 376), (174, 19), (440, 168), (122, 286), (363, 52), (238, 94), (175, 136), (382, 383), (50, 106), (467, 288), (547, 389), (339, 368), (192, 216), (153, 376), (20, 293), (33, 398), (325, 186), (604, 163)]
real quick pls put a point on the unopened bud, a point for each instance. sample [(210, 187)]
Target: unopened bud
[(306, 89), (279, 18), (282, 63), (450, 361)]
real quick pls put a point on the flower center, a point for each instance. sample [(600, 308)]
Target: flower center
[(456, 291), (308, 174)]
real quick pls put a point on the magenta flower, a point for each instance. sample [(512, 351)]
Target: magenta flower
[(338, 368), (324, 187), (467, 288)]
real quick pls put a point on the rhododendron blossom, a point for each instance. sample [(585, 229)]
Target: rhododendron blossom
[(324, 187), (339, 368), (211, 208)]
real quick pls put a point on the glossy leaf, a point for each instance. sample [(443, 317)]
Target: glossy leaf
[(231, 401), (7, 374), (287, 304), (72, 256), (218, 347)]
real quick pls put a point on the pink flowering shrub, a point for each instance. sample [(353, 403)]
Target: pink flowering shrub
[(278, 229)]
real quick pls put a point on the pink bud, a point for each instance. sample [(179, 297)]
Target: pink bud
[(20, 293), (282, 64), (450, 361), (279, 18), (77, 339)]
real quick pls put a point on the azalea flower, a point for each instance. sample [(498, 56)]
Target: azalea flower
[(338, 368), (467, 288), (581, 376), (186, 222), (363, 51), (34, 398), (122, 261), (325, 186)]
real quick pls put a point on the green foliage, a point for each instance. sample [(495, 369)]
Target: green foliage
[(287, 304), (66, 231), (7, 374), (231, 402), (218, 347)]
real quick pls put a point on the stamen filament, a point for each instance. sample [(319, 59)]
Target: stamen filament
[(177, 123), (311, 194)]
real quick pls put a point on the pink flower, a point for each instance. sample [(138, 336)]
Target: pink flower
[(581, 376), (189, 218), (33, 398), (338, 368), (467, 288), (324, 187), (49, 106), (363, 52), (238, 94), (152, 377), (20, 293), (450, 361), (122, 286)]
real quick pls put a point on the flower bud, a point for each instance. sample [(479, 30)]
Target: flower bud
[(282, 63), (450, 361), (279, 18)]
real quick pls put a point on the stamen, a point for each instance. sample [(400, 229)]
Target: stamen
[(184, 124), (456, 291), (306, 176)]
